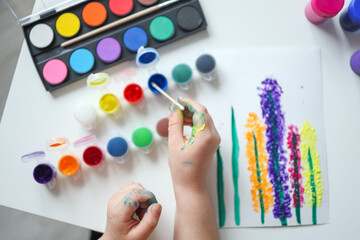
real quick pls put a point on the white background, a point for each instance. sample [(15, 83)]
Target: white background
[(32, 115)]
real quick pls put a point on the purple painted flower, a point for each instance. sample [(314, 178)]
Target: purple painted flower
[(270, 94)]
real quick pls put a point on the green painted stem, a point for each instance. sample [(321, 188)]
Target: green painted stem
[(235, 167), (313, 188), (296, 182), (220, 189), (258, 173)]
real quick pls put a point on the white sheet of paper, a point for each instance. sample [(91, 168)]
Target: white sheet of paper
[(240, 73)]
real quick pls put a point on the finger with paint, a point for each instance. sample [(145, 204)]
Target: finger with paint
[(194, 115), (133, 213)]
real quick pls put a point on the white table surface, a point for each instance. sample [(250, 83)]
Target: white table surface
[(33, 115)]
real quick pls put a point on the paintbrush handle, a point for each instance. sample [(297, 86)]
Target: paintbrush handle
[(167, 95), (118, 23)]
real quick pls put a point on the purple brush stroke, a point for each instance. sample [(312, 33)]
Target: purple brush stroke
[(275, 132)]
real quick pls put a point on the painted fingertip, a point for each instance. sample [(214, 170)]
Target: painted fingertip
[(173, 108), (156, 208)]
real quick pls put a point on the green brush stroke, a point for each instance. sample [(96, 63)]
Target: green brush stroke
[(220, 189), (235, 166), (313, 187), (296, 183), (258, 173)]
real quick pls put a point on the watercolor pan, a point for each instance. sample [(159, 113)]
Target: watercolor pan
[(157, 36)]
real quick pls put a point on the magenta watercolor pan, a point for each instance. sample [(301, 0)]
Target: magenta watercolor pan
[(107, 49)]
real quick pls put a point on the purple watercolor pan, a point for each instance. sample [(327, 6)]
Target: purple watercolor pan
[(108, 49)]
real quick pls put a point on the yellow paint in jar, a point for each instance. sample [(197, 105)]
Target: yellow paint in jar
[(68, 25), (68, 165), (109, 103)]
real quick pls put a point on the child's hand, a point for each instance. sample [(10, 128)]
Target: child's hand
[(190, 157), (132, 213)]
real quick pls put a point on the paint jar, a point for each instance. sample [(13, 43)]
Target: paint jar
[(350, 18), (92, 154), (85, 114), (206, 65), (134, 94), (318, 11), (147, 58), (118, 148), (355, 62), (162, 127), (160, 80), (68, 164), (108, 103), (44, 172), (142, 138), (182, 75)]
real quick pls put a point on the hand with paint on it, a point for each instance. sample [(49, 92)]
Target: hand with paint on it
[(190, 156), (189, 160), (132, 213)]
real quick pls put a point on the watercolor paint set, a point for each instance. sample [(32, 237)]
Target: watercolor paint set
[(110, 32)]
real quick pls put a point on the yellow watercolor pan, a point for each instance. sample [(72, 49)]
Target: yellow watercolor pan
[(68, 25)]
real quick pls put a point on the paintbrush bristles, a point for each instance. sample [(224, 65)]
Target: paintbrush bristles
[(167, 96), (118, 22)]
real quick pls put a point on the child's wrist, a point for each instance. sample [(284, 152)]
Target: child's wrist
[(193, 188)]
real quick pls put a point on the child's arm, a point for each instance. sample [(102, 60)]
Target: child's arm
[(125, 208), (189, 160)]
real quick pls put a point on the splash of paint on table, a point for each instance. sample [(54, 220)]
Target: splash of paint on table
[(257, 158), (270, 94), (199, 120), (235, 166), (312, 173), (293, 143), (220, 189)]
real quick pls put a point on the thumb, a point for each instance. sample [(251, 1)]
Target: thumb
[(149, 221), (176, 125)]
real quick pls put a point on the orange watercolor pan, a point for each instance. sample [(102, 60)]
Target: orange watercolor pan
[(94, 14)]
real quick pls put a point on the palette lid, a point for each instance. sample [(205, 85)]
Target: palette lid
[(24, 12), (98, 80), (33, 156), (57, 144), (85, 141)]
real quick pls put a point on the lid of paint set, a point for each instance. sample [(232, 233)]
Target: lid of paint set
[(26, 15)]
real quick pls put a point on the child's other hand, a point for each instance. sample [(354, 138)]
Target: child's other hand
[(190, 157), (132, 213)]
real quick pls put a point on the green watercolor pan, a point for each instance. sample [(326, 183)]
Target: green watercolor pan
[(59, 66)]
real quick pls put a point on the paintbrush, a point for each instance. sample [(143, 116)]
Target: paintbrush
[(119, 22), (154, 85)]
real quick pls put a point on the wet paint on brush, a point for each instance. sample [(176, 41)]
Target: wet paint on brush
[(199, 120), (261, 191), (270, 95), (235, 167), (312, 172)]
